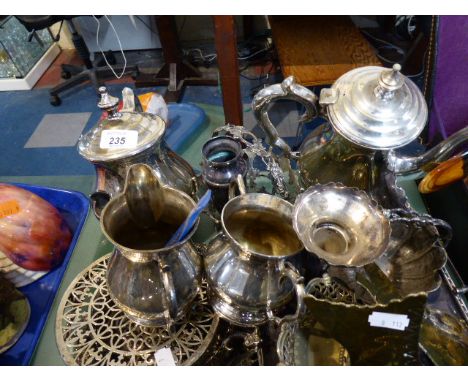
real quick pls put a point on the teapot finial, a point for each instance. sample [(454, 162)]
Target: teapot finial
[(108, 102), (389, 82)]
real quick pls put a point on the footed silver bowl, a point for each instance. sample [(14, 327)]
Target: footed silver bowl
[(341, 225)]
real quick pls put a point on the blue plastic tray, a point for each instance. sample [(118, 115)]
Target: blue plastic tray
[(74, 207), (185, 120)]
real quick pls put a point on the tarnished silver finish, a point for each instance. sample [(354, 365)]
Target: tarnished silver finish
[(373, 107), (223, 159), (387, 192), (410, 263), (341, 225), (253, 148), (111, 164), (91, 329), (431, 158), (293, 346), (444, 338), (370, 110), (458, 293), (248, 271), (153, 284), (328, 288), (415, 253), (288, 89)]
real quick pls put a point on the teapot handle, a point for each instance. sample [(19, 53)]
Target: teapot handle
[(170, 293), (290, 90), (288, 271)]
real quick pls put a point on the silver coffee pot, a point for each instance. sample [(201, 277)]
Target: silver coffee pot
[(250, 265), (371, 111), (125, 138)]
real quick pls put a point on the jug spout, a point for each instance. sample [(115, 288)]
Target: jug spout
[(403, 165)]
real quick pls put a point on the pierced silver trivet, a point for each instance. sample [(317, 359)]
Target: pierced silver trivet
[(91, 330), (328, 288)]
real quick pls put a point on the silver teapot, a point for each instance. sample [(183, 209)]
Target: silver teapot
[(152, 282), (125, 138), (371, 111), (249, 266)]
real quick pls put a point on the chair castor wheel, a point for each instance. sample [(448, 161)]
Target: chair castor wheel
[(65, 75), (55, 100)]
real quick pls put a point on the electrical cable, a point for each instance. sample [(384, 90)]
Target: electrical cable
[(120, 45), (254, 54), (209, 58), (398, 50), (387, 43)]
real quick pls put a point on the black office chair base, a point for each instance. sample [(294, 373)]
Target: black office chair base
[(55, 100), (76, 75)]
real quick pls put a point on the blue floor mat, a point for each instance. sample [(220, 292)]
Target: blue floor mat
[(22, 111)]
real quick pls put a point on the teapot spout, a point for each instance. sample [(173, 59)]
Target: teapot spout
[(404, 165)]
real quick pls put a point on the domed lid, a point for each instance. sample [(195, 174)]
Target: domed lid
[(121, 134), (375, 107)]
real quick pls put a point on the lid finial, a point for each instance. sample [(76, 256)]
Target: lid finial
[(107, 101), (389, 82), (109, 104)]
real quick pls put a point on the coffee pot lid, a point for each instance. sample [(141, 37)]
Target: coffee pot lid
[(121, 134), (376, 107)]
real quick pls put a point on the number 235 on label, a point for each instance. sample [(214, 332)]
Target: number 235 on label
[(118, 139)]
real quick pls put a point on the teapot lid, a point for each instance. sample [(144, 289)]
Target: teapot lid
[(376, 107), (121, 134)]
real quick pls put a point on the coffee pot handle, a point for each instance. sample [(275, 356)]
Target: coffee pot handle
[(289, 90), (170, 293), (290, 272)]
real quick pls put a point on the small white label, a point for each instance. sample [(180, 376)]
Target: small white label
[(389, 320), (118, 139), (164, 357)]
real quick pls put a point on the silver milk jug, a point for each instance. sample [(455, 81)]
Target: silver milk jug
[(154, 284), (250, 265)]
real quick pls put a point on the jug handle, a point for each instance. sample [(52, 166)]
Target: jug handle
[(444, 229), (288, 271), (170, 293), (239, 183), (290, 90), (99, 199)]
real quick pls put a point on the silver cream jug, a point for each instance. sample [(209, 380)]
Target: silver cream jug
[(152, 283), (250, 265)]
